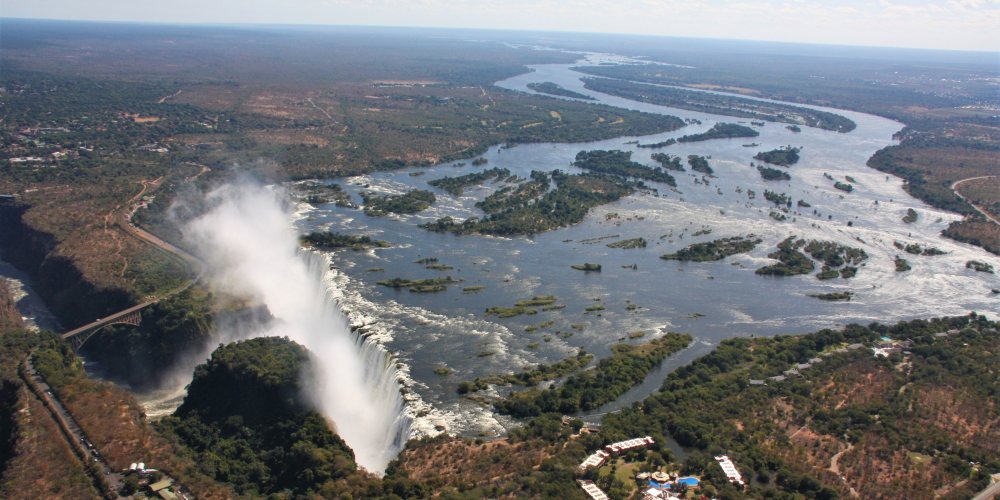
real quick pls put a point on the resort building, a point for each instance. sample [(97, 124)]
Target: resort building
[(597, 459), (629, 445), (730, 470), (593, 491)]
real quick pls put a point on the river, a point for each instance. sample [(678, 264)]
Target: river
[(639, 291), (712, 301)]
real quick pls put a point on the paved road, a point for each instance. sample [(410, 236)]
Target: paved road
[(990, 493), (954, 189), (73, 431), (125, 222)]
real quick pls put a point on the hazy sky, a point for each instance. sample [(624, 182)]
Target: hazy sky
[(940, 24)]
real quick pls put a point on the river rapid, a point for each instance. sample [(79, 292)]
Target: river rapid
[(638, 290)]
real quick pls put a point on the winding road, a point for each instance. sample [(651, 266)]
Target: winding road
[(990, 493), (124, 220), (954, 189)]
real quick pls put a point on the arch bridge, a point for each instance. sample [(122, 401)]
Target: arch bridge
[(130, 316)]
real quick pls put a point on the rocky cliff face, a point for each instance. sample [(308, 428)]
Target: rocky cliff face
[(10, 317), (71, 298)]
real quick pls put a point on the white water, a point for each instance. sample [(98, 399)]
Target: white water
[(252, 253)]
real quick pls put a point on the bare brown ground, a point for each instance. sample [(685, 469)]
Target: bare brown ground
[(114, 422), (457, 461), (44, 466)]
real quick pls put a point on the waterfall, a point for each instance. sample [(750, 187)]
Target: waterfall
[(251, 252)]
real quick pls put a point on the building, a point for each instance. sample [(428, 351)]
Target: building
[(596, 459), (159, 486), (629, 445), (593, 491), (599, 457), (730, 470)]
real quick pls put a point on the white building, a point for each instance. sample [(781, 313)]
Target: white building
[(629, 445), (729, 468), (597, 459), (593, 491)]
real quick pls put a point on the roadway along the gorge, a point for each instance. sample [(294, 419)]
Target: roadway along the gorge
[(74, 435), (954, 189)]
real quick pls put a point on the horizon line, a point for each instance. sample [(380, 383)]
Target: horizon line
[(515, 30)]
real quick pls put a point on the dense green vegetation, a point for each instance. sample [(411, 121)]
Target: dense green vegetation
[(455, 185), (917, 249), (715, 250), (534, 376), (318, 193), (773, 174), (510, 197), (529, 209), (720, 104), (721, 131), (619, 163), (699, 164), (170, 328), (556, 89), (524, 306), (709, 407), (628, 365), (326, 240), (407, 203), (979, 266), (661, 144), (778, 199), (629, 243), (421, 285), (902, 265), (911, 216), (833, 296), (836, 259), (669, 162), (245, 419), (792, 261), (785, 156), (834, 254), (843, 186)]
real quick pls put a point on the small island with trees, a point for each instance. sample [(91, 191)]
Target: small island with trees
[(721, 131), (326, 240), (531, 208), (773, 174), (715, 250), (408, 203), (552, 88), (837, 259), (699, 164), (628, 365), (784, 157), (428, 285), (455, 185), (668, 161), (619, 163)]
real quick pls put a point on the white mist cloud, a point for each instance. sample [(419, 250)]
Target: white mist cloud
[(250, 250)]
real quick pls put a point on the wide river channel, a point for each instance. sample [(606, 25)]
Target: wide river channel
[(639, 292)]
